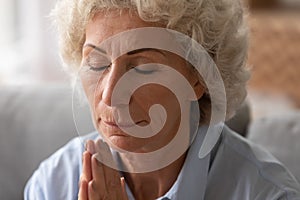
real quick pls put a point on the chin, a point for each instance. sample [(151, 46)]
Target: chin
[(122, 143), (129, 144)]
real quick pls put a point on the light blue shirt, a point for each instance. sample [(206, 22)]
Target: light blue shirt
[(236, 169)]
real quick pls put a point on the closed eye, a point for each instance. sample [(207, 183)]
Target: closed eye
[(142, 71), (97, 63), (146, 69), (98, 69)]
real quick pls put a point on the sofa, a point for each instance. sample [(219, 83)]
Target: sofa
[(36, 121), (280, 135)]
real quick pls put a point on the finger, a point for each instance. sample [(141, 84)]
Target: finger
[(108, 175), (110, 172), (86, 167), (106, 156), (93, 191), (104, 185), (123, 185), (98, 172), (83, 190), (90, 146)]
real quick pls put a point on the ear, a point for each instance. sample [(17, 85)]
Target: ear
[(199, 89)]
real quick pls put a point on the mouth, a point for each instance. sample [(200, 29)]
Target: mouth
[(119, 125), (114, 125)]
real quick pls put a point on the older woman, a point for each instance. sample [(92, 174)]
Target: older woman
[(157, 101)]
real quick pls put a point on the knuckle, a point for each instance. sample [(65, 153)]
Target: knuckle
[(93, 185), (85, 154), (95, 194), (81, 179)]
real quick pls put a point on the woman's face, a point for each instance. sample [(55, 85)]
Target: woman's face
[(99, 86)]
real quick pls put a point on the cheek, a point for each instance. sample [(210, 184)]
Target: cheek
[(148, 95), (91, 83)]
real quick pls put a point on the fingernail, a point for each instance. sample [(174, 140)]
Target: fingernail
[(90, 147)]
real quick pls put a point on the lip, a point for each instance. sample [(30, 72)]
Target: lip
[(110, 128), (119, 125), (114, 125)]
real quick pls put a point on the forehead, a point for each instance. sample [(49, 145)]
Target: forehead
[(106, 24)]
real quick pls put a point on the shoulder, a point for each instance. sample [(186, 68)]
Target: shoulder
[(250, 171), (57, 176)]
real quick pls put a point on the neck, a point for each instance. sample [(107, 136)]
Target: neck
[(152, 185)]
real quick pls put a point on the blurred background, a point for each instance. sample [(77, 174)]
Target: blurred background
[(35, 94), (29, 56), (274, 56), (28, 44)]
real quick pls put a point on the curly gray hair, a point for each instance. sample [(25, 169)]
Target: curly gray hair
[(218, 25)]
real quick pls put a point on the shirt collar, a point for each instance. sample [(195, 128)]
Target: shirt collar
[(192, 179)]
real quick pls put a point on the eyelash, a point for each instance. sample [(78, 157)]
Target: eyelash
[(145, 72), (98, 69)]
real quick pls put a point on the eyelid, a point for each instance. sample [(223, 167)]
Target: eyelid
[(94, 52), (142, 69), (99, 68), (96, 62)]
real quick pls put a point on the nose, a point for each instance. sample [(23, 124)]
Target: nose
[(109, 81)]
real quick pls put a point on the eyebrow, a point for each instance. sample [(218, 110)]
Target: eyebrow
[(143, 50), (95, 47), (128, 53)]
